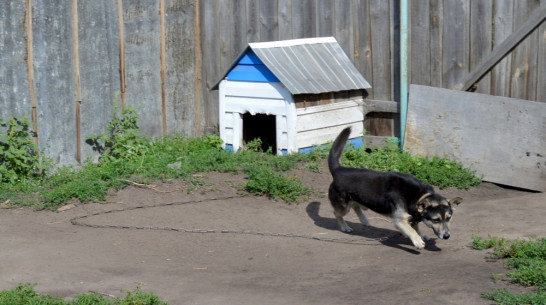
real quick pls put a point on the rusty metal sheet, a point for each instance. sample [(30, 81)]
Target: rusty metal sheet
[(503, 139)]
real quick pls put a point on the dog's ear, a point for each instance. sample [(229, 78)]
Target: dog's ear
[(454, 203), (423, 203)]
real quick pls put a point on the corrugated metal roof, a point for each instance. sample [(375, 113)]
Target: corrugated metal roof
[(310, 65)]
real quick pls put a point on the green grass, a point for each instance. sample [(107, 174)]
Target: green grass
[(128, 155), (178, 158), (24, 294), (527, 259)]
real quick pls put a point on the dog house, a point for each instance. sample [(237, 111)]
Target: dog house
[(292, 94)]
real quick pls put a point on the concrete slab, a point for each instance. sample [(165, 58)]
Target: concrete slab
[(503, 139)]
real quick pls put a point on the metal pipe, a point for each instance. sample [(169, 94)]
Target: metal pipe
[(403, 69)]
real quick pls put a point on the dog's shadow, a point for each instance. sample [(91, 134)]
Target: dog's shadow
[(387, 237)]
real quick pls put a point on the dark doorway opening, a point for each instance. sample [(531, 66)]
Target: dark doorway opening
[(260, 126)]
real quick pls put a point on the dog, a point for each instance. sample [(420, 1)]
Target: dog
[(400, 196)]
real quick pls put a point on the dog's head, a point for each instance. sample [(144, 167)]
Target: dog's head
[(436, 212)]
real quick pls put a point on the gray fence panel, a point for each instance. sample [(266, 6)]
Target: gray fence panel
[(180, 38), (98, 39), (14, 93), (142, 62), (54, 79)]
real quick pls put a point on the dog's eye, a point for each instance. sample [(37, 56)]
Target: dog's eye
[(436, 221)]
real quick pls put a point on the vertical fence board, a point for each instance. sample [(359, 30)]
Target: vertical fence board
[(98, 36), (304, 16), (436, 43), (252, 20), (481, 36), (54, 79), (269, 24), (420, 42), (326, 20), (180, 71), (344, 27), (524, 56), (142, 62), (232, 31), (541, 65), (455, 42), (381, 55), (502, 23), (285, 19), (14, 93), (211, 69), (363, 41)]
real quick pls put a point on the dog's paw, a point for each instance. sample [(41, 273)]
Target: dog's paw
[(345, 228), (419, 244)]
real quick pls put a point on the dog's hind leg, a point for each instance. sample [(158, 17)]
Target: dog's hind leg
[(361, 216), (339, 213)]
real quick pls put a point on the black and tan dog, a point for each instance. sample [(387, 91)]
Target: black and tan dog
[(401, 196)]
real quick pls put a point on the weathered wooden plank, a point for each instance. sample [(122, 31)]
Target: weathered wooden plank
[(54, 79), (503, 19), (269, 26), (142, 63), (478, 130), (304, 19), (211, 68), (524, 55), (381, 57), (436, 43), (541, 66), (344, 27), (524, 23), (319, 116), (14, 87), (420, 42), (315, 137), (455, 43), (326, 18), (362, 40), (180, 38), (98, 40), (285, 19), (253, 20), (232, 31), (481, 36)]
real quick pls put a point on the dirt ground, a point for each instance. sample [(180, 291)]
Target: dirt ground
[(374, 265)]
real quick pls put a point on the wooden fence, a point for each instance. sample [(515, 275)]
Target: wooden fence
[(62, 63)]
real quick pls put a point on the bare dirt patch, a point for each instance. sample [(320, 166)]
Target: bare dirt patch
[(309, 262)]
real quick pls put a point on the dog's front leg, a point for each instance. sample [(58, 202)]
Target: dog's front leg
[(401, 222), (415, 226)]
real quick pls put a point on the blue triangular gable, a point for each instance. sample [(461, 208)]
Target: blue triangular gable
[(251, 68)]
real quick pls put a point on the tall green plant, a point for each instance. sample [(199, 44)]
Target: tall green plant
[(122, 139), (19, 156)]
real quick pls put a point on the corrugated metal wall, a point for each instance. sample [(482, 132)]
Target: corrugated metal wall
[(63, 61)]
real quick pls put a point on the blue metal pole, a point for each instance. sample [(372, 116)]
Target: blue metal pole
[(403, 69)]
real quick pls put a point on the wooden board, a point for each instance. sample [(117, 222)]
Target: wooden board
[(54, 79), (503, 139), (14, 89)]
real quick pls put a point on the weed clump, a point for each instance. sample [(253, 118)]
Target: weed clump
[(527, 259)]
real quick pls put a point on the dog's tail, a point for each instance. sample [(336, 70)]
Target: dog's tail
[(337, 149)]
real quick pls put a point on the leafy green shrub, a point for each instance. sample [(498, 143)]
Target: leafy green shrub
[(436, 171), (19, 156), (263, 181), (122, 139)]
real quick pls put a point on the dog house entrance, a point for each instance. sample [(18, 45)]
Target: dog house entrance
[(260, 126)]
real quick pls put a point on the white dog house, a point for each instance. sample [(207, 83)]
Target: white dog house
[(292, 94)]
